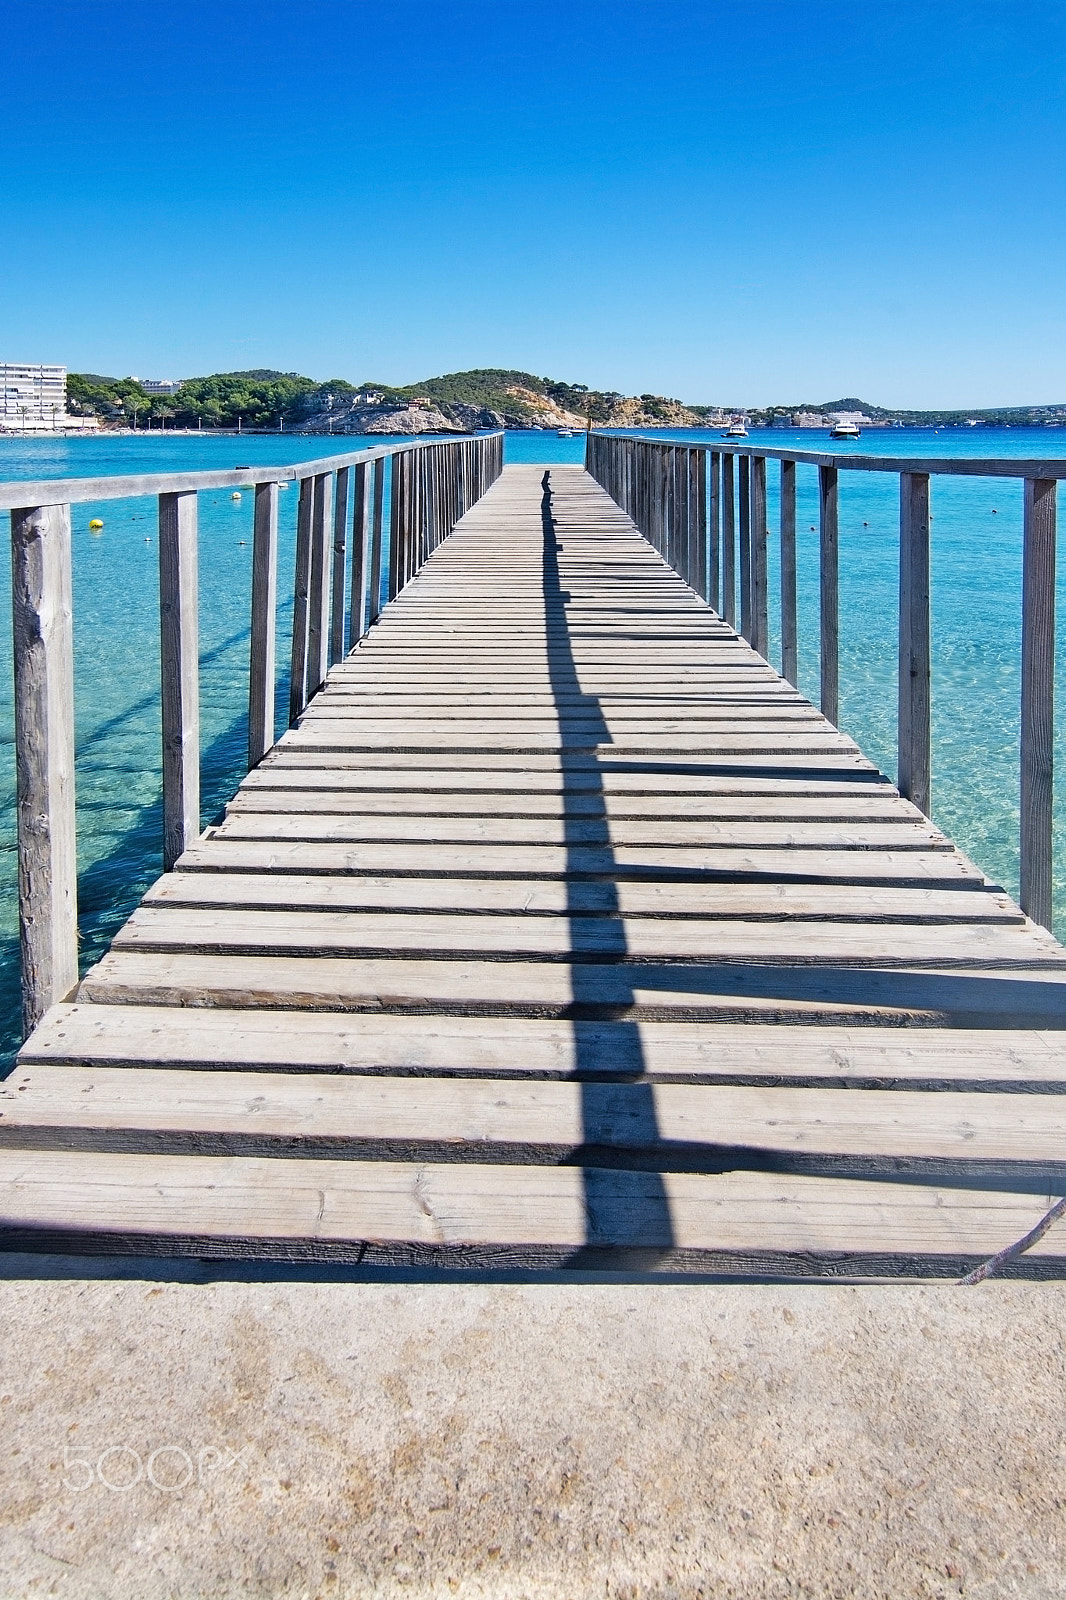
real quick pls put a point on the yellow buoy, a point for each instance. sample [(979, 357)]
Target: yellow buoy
[(96, 524)]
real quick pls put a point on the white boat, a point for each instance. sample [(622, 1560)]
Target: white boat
[(736, 430), (844, 430), (567, 433)]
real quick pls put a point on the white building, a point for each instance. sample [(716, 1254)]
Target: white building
[(33, 399), (159, 385)]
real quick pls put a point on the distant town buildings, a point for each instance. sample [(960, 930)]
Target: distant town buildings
[(33, 399), (158, 385), (830, 419)]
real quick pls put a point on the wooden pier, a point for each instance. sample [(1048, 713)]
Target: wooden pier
[(559, 931)]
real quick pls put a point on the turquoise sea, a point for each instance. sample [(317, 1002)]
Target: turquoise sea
[(976, 638)]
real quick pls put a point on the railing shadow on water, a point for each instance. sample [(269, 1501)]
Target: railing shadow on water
[(624, 1208)]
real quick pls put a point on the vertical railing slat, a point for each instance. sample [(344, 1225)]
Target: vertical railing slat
[(714, 526), (789, 630), (913, 738), (301, 590), (828, 564), (261, 666), (43, 638), (179, 673), (729, 542), (340, 565), (318, 603), (759, 599), (1038, 698), (744, 496), (376, 539), (357, 600)]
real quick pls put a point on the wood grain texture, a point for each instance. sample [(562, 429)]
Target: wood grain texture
[(43, 640)]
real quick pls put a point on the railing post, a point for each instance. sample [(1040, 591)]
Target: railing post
[(376, 538), (744, 466), (913, 764), (179, 672), (340, 565), (729, 542), (714, 598), (789, 630), (828, 563), (1038, 698), (357, 600), (44, 756), (301, 590), (261, 665), (760, 626)]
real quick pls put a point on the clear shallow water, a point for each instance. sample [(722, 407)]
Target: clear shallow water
[(976, 638)]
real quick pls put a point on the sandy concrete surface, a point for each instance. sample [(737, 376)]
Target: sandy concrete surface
[(169, 1439)]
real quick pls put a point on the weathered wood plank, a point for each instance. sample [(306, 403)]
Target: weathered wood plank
[(527, 1121), (43, 639), (319, 1203), (209, 1038)]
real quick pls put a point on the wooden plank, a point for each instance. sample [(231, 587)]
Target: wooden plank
[(257, 931), (721, 990), (534, 1122), (500, 832), (43, 640), (262, 669), (914, 653), (751, 1052), (539, 1213), (222, 852), (1038, 699), (179, 663), (775, 807), (539, 897)]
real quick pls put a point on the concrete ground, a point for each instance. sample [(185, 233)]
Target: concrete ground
[(330, 1439)]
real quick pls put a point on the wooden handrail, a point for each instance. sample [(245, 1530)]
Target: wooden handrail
[(637, 472), (438, 480)]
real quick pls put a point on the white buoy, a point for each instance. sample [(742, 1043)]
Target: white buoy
[(235, 495)]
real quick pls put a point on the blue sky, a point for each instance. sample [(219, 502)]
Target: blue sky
[(747, 202)]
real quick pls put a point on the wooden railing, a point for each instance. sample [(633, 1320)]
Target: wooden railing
[(432, 484), (703, 507)]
